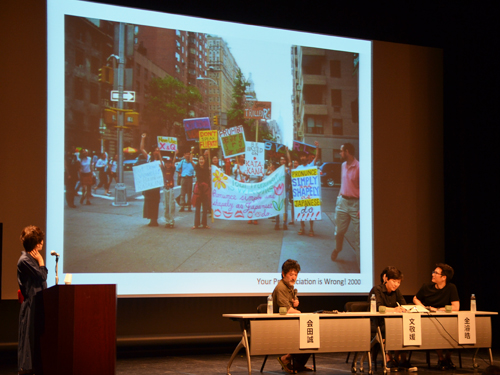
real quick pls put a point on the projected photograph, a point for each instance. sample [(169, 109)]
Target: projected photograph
[(276, 101), (190, 156)]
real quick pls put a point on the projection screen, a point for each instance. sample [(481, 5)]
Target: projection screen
[(296, 88)]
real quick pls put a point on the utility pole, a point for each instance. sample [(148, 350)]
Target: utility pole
[(120, 189)]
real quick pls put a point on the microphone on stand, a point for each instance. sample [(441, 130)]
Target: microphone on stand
[(53, 253)]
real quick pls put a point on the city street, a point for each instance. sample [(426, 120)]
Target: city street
[(102, 238)]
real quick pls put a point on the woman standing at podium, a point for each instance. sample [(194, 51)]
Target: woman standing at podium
[(31, 276)]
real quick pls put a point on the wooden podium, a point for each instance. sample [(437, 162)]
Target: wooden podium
[(75, 330)]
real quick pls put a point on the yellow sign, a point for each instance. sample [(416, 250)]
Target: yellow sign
[(208, 139)]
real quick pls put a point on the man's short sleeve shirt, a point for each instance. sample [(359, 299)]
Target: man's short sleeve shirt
[(429, 295)]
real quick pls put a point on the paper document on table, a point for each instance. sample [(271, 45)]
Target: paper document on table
[(415, 308)]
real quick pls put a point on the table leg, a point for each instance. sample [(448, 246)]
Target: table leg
[(242, 344), (370, 363)]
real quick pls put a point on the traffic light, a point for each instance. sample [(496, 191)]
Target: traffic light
[(106, 74), (216, 120)]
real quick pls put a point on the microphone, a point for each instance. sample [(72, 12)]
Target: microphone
[(295, 294), (53, 253)]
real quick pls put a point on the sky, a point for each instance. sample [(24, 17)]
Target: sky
[(271, 69)]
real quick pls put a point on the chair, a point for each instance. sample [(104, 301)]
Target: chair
[(262, 309), (363, 306)]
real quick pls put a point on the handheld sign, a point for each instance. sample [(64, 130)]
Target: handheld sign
[(254, 158), (306, 188), (208, 139), (232, 141), (167, 143), (192, 126), (148, 176)]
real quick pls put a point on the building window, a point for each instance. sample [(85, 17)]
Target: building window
[(79, 58), (336, 98), (337, 127), (94, 65), (78, 88), (314, 125), (336, 156), (355, 111), (94, 93), (335, 68)]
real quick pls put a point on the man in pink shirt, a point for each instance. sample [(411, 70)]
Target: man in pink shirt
[(347, 209)]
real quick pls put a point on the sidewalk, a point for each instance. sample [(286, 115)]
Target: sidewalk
[(103, 238)]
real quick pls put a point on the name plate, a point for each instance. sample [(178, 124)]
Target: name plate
[(466, 327), (412, 330), (309, 331)]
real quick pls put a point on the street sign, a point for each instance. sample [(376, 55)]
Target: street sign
[(128, 96)]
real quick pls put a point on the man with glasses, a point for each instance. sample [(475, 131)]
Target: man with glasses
[(435, 296)]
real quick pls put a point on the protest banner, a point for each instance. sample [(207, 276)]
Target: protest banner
[(233, 200), (208, 139), (306, 188), (147, 176), (192, 126), (254, 158), (167, 143), (232, 141)]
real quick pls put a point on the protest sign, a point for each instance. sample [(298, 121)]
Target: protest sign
[(298, 147), (192, 126), (258, 111), (306, 188), (167, 143), (254, 158), (274, 150), (233, 200), (208, 139), (147, 176), (232, 141)]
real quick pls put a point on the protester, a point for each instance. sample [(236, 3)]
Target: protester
[(71, 168), (151, 196), (101, 166), (185, 173), (86, 175), (201, 194), (168, 192)]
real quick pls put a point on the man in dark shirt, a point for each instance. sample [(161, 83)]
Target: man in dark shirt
[(284, 295), (435, 296)]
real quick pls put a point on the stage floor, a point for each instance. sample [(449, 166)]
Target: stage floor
[(208, 364)]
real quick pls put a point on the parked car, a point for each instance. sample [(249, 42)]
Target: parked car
[(128, 164), (330, 173)]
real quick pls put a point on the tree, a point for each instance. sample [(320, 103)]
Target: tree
[(169, 101), (236, 115)]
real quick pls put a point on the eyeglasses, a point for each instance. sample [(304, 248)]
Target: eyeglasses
[(435, 273)]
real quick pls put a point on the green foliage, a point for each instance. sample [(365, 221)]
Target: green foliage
[(168, 103), (236, 115)]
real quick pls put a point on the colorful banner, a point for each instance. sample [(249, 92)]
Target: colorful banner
[(209, 139), (192, 126), (306, 188), (233, 200), (147, 176), (254, 158), (232, 141), (167, 143)]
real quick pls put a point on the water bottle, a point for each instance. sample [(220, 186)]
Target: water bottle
[(373, 304), (270, 304), (473, 302)]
